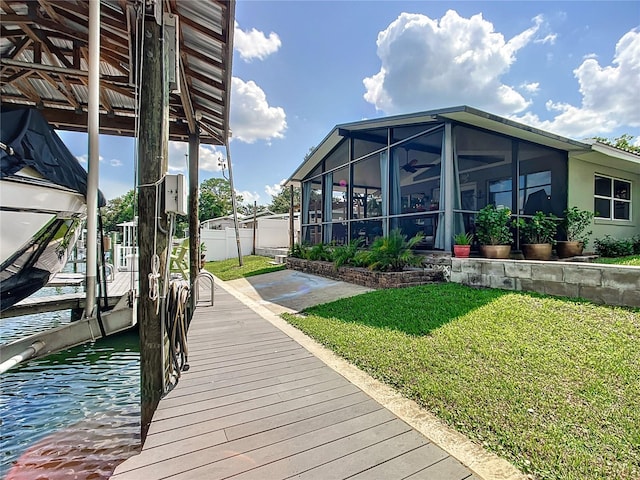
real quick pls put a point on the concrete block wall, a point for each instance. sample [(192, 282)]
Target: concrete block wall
[(606, 284)]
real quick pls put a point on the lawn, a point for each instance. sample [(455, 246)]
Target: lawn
[(632, 260), (552, 385), (252, 265)]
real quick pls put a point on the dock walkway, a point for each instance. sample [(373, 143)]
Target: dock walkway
[(256, 404)]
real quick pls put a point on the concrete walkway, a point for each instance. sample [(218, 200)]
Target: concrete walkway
[(263, 401)]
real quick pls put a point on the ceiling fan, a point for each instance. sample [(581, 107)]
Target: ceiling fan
[(412, 166)]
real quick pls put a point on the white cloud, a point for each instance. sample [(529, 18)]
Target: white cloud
[(254, 43), (609, 95), (249, 197), (532, 87), (274, 189), (84, 158), (209, 158), (252, 118), (550, 39), (116, 162), (427, 63)]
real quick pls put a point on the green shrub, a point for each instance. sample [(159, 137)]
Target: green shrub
[(393, 253), (319, 251), (636, 244), (344, 254), (575, 224), (492, 226), (299, 250), (612, 247), (541, 228)]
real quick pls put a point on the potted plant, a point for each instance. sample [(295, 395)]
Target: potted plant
[(494, 234), (462, 245), (574, 225), (538, 234)]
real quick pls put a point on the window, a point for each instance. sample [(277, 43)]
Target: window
[(535, 193), (612, 198)]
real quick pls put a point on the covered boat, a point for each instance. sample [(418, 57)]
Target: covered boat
[(43, 192)]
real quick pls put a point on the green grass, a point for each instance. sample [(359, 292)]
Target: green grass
[(550, 384), (633, 260), (252, 265)]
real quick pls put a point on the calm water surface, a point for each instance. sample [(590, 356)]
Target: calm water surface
[(74, 414)]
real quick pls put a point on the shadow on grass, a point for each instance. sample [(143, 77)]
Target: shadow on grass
[(275, 268), (414, 310)]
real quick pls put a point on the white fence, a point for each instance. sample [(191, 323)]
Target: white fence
[(221, 244), (274, 232), (271, 233)]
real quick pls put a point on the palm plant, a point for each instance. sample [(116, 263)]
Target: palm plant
[(345, 254), (394, 252)]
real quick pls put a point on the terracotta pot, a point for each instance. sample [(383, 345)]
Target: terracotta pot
[(495, 251), (537, 251), (569, 249), (461, 251)]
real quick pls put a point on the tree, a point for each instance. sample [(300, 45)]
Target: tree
[(215, 199), (281, 202), (624, 142), (118, 210)]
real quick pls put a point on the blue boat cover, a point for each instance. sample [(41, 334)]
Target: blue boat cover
[(34, 143)]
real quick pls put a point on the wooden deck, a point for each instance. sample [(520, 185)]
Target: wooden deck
[(255, 404)]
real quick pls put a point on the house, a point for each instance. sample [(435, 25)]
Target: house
[(220, 223), (431, 172)]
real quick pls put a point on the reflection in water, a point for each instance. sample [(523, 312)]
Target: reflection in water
[(74, 414)]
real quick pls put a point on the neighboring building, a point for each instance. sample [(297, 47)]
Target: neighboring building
[(432, 171), (220, 223)]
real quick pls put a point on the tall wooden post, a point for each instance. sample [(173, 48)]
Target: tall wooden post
[(291, 219), (194, 212), (152, 165), (255, 219)]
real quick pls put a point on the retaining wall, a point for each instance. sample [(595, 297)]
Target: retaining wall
[(365, 277), (607, 284)]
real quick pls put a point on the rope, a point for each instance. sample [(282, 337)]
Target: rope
[(154, 284)]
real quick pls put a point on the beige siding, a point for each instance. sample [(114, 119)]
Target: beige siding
[(580, 194)]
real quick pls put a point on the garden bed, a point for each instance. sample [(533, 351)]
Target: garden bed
[(368, 278)]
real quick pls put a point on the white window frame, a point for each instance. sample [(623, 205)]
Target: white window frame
[(613, 199)]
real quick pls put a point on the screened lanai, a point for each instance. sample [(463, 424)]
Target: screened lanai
[(428, 173)]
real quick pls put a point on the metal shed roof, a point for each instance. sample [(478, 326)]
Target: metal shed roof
[(44, 63)]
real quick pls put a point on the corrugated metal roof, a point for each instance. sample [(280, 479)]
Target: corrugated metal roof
[(43, 60)]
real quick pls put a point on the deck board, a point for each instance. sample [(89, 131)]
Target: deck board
[(257, 405)]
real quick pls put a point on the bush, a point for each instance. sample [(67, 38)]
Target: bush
[(612, 247), (636, 244), (345, 254), (299, 250), (575, 225), (492, 226), (319, 251), (541, 228), (393, 253)]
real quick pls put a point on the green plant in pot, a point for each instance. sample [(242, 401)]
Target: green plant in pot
[(462, 245), (493, 231), (574, 225), (538, 235)]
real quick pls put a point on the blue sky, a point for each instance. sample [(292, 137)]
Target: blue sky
[(301, 67)]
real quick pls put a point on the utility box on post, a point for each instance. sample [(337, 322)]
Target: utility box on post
[(175, 194)]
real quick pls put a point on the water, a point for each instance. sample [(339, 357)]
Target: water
[(74, 414)]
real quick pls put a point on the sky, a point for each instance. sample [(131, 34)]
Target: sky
[(302, 67)]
